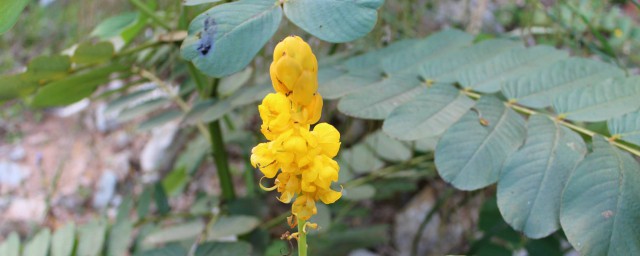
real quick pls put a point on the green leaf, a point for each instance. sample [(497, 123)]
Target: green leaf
[(11, 245), (88, 53), (175, 181), (600, 101), (114, 26), (429, 114), (371, 61), (470, 154), (39, 244), (232, 83), (626, 127), (334, 21), (600, 209), (177, 232), (91, 238), (120, 238), (141, 109), (74, 88), (197, 2), (9, 13), (341, 243), (388, 148), (250, 94), (169, 250), (126, 100), (47, 68), (225, 38), (358, 193), (411, 56), (15, 86), (223, 248), (489, 75), (159, 120), (361, 159), (192, 156), (389, 94), (533, 178), (160, 198), (322, 218), (63, 240), (445, 67), (232, 226), (347, 83), (537, 89), (209, 111), (144, 202)]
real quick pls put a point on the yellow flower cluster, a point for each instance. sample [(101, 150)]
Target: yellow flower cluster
[(303, 156)]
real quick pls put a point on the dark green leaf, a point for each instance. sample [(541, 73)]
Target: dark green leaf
[(47, 68), (223, 248), (160, 197)]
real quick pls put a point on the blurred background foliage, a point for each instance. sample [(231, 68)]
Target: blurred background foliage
[(130, 172)]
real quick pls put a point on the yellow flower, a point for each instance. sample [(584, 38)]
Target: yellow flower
[(617, 33), (300, 159), (294, 70), (304, 207)]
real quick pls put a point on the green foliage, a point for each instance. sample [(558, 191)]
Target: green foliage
[(9, 13)]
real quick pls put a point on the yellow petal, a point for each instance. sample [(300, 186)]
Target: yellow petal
[(328, 138)]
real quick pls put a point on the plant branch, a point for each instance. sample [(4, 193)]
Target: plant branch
[(220, 154), (145, 9), (427, 219), (561, 121)]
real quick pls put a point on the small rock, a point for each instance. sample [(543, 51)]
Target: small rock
[(72, 109), (159, 152), (105, 121), (17, 154), (12, 174), (26, 209), (105, 190), (362, 252)]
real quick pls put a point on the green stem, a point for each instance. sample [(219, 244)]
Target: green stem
[(302, 238), (145, 9), (426, 220), (220, 154)]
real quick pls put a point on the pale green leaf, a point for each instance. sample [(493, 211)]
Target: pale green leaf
[(197, 2), (600, 210), (63, 240), (169, 250), (488, 76), (232, 83), (141, 109), (113, 26), (378, 100), (361, 159), (445, 67), (74, 88), (600, 101), (39, 244), (335, 21), (120, 238), (411, 56), (626, 127), (177, 232), (91, 238), (533, 178), (223, 248), (251, 94), (358, 193), (232, 226), (225, 38), (11, 245), (322, 218), (372, 60), (388, 148), (537, 89), (15, 86), (9, 13), (159, 120), (470, 154), (125, 100), (347, 83), (429, 114), (88, 53)]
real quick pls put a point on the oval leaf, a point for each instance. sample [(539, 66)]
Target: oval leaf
[(600, 101), (533, 178), (88, 53), (232, 226), (335, 21), (389, 94), (538, 89), (91, 238), (9, 13), (470, 154), (600, 210), (429, 114), (223, 248), (63, 240), (626, 127), (224, 39), (39, 244)]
